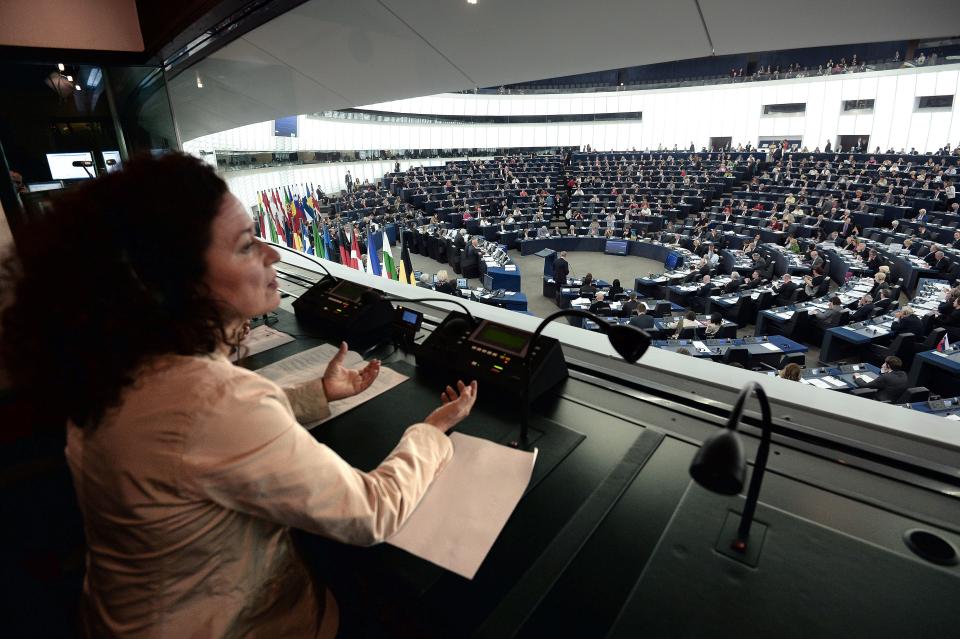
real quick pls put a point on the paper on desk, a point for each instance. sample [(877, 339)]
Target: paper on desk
[(467, 506), (700, 346), (770, 347), (263, 338), (954, 417), (867, 377), (310, 364), (830, 379), (819, 383)]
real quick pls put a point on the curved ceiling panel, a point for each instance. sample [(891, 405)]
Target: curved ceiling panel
[(331, 54)]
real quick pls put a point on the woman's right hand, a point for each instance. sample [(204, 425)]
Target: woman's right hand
[(456, 405)]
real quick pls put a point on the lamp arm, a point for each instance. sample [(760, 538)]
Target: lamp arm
[(759, 462), (522, 442)]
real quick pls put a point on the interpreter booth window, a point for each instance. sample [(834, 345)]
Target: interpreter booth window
[(792, 108), (64, 123)]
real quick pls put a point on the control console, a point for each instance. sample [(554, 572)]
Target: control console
[(493, 354)]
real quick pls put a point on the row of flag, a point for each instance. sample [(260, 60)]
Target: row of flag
[(290, 217)]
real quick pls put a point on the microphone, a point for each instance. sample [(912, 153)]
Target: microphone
[(720, 467), (629, 341), (82, 163)]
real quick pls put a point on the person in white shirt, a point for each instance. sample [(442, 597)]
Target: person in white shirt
[(189, 470)]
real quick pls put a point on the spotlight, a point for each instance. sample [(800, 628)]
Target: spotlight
[(60, 66), (471, 1), (199, 81), (77, 87), (69, 78)]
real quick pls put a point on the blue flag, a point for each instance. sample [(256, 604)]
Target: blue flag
[(327, 243), (372, 259)]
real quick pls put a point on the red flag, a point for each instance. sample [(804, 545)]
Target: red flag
[(342, 242), (355, 260)]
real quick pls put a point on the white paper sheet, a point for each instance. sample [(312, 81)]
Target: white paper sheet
[(263, 338), (770, 347), (310, 364), (955, 418), (466, 507), (833, 381), (819, 383), (866, 377)]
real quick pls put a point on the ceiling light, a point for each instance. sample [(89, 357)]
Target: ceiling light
[(199, 81), (77, 87), (471, 1), (69, 78), (60, 66)]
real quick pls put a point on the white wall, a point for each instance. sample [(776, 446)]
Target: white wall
[(670, 116), (329, 177)]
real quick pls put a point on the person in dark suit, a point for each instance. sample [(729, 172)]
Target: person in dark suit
[(884, 299), (785, 290), (756, 279), (705, 288), (588, 289), (561, 269), (942, 263), (907, 322), (641, 319), (864, 309), (734, 284), (832, 316), (956, 240), (879, 283), (615, 289), (600, 306), (922, 233), (891, 383), (630, 304), (929, 254), (815, 260)]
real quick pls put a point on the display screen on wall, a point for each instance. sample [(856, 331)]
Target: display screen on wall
[(285, 127)]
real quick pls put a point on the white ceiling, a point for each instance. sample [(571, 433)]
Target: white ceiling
[(331, 54)]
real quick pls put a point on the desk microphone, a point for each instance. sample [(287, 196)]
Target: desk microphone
[(720, 466)]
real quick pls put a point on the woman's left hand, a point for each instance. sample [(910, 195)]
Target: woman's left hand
[(340, 382)]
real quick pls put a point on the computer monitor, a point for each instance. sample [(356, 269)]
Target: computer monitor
[(435, 279), (61, 166), (461, 282), (115, 157)]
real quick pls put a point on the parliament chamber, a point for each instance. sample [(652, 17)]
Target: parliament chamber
[(663, 274)]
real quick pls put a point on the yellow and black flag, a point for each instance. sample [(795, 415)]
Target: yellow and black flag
[(406, 266)]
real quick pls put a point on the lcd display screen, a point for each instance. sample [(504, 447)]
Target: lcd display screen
[(502, 338), (348, 291)]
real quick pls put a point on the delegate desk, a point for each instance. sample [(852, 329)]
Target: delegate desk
[(938, 371), (499, 277), (838, 378), (637, 248), (767, 350), (608, 490), (663, 327), (948, 407), (841, 341), (510, 300)]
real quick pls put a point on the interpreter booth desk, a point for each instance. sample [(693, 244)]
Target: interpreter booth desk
[(612, 538)]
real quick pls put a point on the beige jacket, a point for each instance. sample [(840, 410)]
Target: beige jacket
[(188, 490)]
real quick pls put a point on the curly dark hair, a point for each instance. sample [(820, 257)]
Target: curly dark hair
[(111, 278)]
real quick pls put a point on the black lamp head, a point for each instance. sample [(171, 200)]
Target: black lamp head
[(629, 341), (720, 465)]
